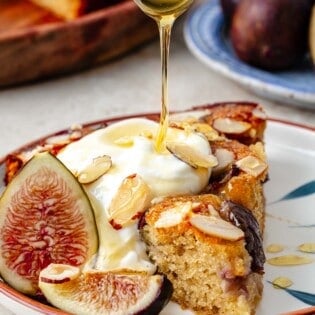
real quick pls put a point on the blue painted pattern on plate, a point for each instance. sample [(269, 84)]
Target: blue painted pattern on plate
[(206, 37)]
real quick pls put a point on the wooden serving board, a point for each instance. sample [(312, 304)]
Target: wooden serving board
[(35, 44)]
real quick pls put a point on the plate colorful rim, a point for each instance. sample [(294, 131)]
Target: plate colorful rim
[(301, 130), (206, 37)]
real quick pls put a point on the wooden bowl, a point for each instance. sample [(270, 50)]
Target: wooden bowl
[(36, 45)]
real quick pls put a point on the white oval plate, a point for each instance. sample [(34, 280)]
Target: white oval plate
[(290, 221), (206, 38)]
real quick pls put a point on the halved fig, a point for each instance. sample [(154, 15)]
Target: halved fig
[(100, 292), (45, 217)]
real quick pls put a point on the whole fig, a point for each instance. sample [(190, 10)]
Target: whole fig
[(312, 35), (271, 34), (228, 9)]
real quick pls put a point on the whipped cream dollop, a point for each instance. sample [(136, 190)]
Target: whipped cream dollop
[(130, 144)]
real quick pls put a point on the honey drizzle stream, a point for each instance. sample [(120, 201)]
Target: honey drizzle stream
[(165, 28)]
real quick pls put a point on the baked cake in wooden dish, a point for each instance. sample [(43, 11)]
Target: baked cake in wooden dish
[(71, 9), (66, 36)]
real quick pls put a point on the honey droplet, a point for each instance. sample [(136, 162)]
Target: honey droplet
[(274, 248), (307, 248), (282, 282), (289, 260)]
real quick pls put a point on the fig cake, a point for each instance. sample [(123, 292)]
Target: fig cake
[(193, 214), (210, 245)]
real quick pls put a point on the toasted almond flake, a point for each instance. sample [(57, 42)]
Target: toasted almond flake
[(258, 113), (213, 211), (78, 127), (58, 273), (124, 141), (58, 140), (252, 133), (75, 135), (130, 201), (191, 156), (194, 126), (173, 216), (289, 260), (282, 282), (195, 205), (225, 159), (274, 248), (217, 227), (147, 134), (307, 248), (251, 165), (210, 133), (228, 125), (100, 165)]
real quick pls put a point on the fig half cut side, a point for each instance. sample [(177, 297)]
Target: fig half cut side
[(105, 293), (45, 217)]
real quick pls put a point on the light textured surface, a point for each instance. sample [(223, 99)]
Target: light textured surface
[(126, 86)]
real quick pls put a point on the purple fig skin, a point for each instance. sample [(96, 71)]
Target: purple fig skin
[(161, 299), (245, 220), (228, 9), (271, 34)]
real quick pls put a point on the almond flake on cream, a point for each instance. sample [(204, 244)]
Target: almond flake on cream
[(99, 166), (191, 156)]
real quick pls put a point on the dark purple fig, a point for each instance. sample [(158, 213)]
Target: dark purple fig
[(312, 35), (244, 219), (271, 34), (100, 292), (228, 8)]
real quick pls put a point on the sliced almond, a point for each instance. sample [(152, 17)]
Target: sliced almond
[(191, 156), (210, 133), (217, 227), (225, 159), (312, 35), (289, 260), (282, 282), (58, 140), (131, 200), (213, 211), (251, 165), (124, 141), (307, 248), (173, 216), (59, 273), (147, 134), (258, 113), (228, 125), (194, 126), (92, 172), (76, 135)]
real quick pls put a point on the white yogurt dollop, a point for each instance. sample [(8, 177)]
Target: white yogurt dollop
[(130, 144)]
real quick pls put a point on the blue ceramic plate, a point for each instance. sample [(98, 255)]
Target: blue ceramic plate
[(206, 38)]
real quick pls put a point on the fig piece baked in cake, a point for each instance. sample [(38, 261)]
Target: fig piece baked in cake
[(210, 245)]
